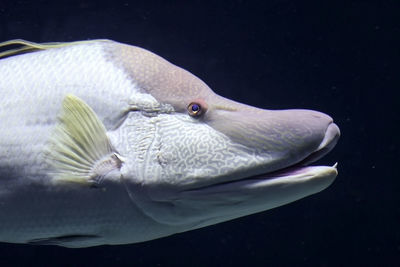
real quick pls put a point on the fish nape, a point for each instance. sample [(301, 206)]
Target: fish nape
[(108, 143)]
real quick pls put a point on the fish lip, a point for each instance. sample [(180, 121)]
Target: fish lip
[(288, 171), (290, 174), (329, 141)]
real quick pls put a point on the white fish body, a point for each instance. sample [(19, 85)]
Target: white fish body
[(155, 188)]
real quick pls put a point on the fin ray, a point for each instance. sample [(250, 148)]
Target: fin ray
[(27, 46), (79, 150)]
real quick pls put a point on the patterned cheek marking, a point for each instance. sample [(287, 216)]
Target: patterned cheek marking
[(190, 152)]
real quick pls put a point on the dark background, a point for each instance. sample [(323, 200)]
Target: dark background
[(341, 58)]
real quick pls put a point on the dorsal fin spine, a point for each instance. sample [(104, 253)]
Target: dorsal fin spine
[(27, 46)]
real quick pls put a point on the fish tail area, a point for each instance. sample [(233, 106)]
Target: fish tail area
[(27, 46)]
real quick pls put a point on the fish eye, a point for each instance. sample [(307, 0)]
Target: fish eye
[(195, 109)]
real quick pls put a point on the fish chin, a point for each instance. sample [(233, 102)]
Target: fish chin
[(229, 200)]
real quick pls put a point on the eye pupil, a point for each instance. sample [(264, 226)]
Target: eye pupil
[(195, 107)]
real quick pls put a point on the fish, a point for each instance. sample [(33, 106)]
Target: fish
[(105, 143)]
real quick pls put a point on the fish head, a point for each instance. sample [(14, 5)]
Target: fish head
[(195, 158)]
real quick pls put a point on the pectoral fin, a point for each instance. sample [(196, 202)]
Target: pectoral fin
[(79, 150)]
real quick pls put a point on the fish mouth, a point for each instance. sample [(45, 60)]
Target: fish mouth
[(299, 171), (329, 141)]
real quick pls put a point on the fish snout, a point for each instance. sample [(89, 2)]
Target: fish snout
[(283, 137)]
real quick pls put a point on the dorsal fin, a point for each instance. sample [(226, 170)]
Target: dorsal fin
[(79, 150), (27, 46)]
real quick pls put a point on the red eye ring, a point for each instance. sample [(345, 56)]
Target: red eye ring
[(194, 109), (197, 108)]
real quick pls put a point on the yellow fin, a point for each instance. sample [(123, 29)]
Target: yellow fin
[(27, 46), (79, 150)]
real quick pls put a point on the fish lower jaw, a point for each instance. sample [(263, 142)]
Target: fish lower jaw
[(299, 171), (316, 176)]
